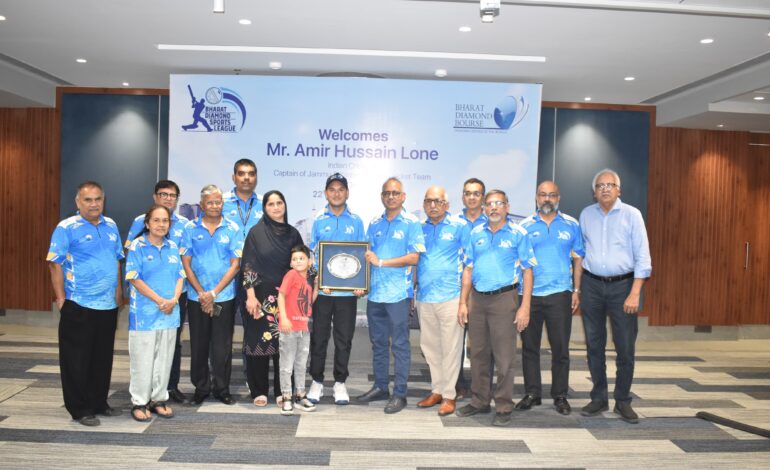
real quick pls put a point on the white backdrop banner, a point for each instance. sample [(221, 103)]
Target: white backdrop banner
[(300, 130)]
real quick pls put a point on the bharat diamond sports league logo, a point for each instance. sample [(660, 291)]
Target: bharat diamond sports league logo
[(507, 114), (220, 110)]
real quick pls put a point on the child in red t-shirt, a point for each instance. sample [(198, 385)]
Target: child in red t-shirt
[(295, 301)]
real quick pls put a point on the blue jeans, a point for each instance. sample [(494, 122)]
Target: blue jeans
[(389, 326), (599, 300)]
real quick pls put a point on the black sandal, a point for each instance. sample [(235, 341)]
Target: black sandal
[(143, 409), (153, 406)]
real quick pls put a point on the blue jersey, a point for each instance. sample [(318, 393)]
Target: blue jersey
[(498, 258), (244, 214), (211, 254), (555, 246), (439, 272), (160, 268), (89, 256), (346, 227), (482, 218), (393, 239), (175, 231)]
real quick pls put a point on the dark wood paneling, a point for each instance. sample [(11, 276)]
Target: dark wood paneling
[(756, 278), (29, 178)]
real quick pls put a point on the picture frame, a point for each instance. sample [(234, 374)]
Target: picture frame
[(342, 266)]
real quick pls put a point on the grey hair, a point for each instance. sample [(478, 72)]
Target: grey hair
[(496, 191), (393, 178), (605, 172), (210, 189)]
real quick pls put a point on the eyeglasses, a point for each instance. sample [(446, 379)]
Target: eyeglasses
[(549, 195), (387, 194), (214, 203), (603, 186), (165, 195), (496, 203), (431, 202), (472, 193)]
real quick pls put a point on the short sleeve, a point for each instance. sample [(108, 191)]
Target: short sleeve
[(134, 263), (526, 253), (416, 239), (136, 227), (578, 247), (236, 245), (60, 243), (185, 248)]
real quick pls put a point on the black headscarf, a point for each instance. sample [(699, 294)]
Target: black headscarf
[(267, 249)]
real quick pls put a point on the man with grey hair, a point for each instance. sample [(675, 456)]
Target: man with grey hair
[(211, 252), (438, 298), (615, 267), (558, 246)]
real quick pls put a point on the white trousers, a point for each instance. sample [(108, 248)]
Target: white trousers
[(151, 353), (441, 340)]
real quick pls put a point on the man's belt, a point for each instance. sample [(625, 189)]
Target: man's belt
[(622, 277), (497, 291)]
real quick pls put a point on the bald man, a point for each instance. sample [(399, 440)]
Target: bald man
[(439, 275)]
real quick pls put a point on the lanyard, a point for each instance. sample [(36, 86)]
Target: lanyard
[(240, 213)]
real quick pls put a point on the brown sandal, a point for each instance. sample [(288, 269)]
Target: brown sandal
[(143, 409), (156, 406)]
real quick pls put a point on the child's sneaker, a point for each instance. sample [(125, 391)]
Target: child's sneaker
[(287, 407), (341, 396), (316, 392), (304, 404)]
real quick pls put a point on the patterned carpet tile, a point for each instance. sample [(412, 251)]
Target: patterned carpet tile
[(727, 445)]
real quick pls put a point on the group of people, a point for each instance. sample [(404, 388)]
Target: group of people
[(474, 276)]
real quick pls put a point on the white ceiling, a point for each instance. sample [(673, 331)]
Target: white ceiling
[(589, 45)]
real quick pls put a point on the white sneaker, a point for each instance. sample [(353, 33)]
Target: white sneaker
[(287, 407), (316, 392), (304, 404), (341, 394)]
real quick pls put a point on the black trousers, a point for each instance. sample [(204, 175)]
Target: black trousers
[(337, 316), (258, 373), (211, 338), (555, 311), (86, 346), (176, 363)]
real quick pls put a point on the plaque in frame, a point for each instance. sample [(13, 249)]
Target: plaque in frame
[(342, 266)]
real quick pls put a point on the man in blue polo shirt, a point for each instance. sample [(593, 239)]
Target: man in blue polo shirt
[(84, 261), (558, 246), (396, 243), (211, 254), (166, 193), (242, 205), (334, 223), (499, 256), (616, 264), (438, 296)]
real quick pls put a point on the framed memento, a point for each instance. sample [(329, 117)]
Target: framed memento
[(343, 266)]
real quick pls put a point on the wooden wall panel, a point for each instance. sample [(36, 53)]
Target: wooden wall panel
[(29, 178), (756, 294)]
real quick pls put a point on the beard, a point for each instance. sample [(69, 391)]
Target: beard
[(548, 207)]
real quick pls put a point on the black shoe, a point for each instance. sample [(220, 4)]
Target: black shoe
[(199, 398), (562, 406), (89, 420), (395, 404), (374, 394), (225, 398), (627, 414), (594, 408), (109, 412), (502, 418), (177, 396), (470, 410), (527, 402)]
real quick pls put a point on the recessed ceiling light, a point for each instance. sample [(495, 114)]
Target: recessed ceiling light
[(629, 79), (759, 98), (587, 98), (440, 73), (2, 18), (125, 84), (465, 29), (244, 21), (706, 41), (720, 125), (275, 65), (81, 61)]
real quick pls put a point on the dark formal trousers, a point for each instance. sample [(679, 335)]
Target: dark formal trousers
[(492, 335), (332, 315), (555, 311), (258, 373), (86, 346), (211, 338), (599, 300), (176, 362)]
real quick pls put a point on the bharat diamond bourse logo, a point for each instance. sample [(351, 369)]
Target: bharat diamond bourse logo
[(219, 110), (508, 113)]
